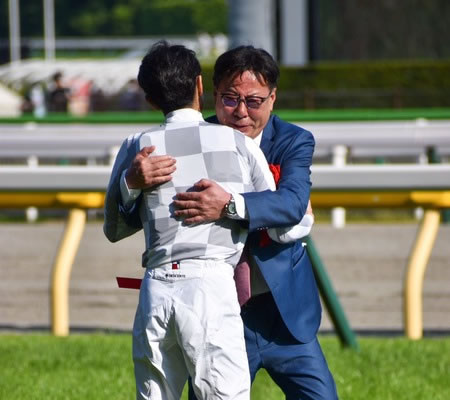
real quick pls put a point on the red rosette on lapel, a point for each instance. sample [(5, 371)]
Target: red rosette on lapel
[(264, 238), (276, 172)]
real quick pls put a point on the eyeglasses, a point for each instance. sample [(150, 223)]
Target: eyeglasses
[(253, 102)]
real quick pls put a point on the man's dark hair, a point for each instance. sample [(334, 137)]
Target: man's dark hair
[(167, 76), (246, 58), (57, 76)]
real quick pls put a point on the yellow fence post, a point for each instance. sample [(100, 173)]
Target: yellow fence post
[(62, 269), (415, 274)]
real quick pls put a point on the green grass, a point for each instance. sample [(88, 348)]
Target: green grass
[(289, 115), (97, 366)]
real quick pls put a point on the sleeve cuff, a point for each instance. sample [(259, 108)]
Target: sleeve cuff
[(291, 234), (241, 212), (129, 196)]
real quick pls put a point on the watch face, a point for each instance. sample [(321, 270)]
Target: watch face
[(231, 207)]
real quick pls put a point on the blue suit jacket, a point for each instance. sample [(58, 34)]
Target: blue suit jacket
[(286, 267)]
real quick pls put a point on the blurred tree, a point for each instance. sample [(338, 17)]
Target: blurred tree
[(181, 17), (121, 17), (85, 19), (31, 18)]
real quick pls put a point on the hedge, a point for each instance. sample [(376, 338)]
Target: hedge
[(397, 84)]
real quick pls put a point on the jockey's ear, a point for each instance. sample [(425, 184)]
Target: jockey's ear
[(309, 209)]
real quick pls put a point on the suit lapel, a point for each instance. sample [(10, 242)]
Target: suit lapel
[(267, 138)]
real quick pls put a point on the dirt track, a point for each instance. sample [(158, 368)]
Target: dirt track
[(365, 262)]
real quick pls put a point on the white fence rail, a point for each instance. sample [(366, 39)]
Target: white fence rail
[(324, 177), (98, 143)]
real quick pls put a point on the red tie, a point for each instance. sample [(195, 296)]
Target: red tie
[(242, 277)]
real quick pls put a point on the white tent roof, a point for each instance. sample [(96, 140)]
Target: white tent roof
[(108, 75), (10, 103)]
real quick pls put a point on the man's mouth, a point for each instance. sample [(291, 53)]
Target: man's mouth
[(240, 127)]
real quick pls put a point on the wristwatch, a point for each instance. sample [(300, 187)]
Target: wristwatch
[(230, 208)]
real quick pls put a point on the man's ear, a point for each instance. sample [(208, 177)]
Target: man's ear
[(273, 97), (199, 84)]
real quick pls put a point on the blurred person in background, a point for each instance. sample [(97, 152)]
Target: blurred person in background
[(35, 101), (58, 94), (131, 98), (80, 96), (282, 316)]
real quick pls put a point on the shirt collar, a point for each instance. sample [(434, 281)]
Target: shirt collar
[(189, 114), (258, 139), (183, 115)]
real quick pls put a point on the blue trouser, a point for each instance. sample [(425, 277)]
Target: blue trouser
[(299, 369)]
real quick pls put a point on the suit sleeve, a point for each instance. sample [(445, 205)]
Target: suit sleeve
[(116, 226), (287, 205), (262, 179)]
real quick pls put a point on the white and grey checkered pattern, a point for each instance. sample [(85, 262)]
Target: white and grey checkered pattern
[(202, 150)]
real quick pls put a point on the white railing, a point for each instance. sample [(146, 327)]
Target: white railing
[(324, 177), (361, 139)]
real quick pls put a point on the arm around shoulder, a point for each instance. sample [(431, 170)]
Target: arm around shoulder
[(117, 224)]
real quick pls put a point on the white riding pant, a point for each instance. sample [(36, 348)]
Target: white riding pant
[(188, 323)]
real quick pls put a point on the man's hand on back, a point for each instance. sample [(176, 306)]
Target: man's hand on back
[(146, 170), (206, 204)]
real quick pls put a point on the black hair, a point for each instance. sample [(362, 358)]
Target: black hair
[(246, 58), (57, 76), (167, 76)]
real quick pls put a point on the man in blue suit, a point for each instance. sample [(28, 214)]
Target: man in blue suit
[(282, 317)]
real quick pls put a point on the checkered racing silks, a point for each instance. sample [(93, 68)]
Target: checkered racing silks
[(202, 150)]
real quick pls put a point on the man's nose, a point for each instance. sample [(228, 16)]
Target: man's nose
[(241, 110)]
